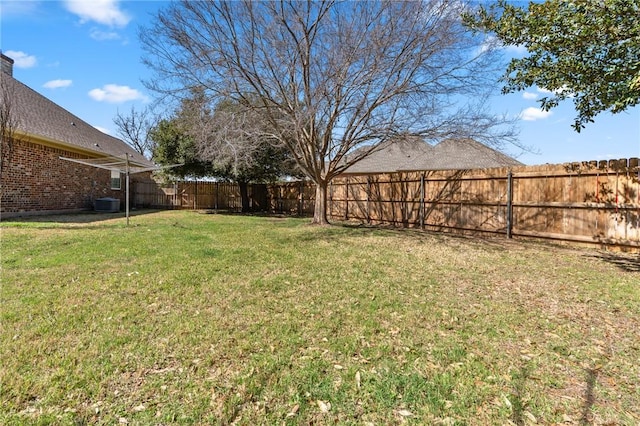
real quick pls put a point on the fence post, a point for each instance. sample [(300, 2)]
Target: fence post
[(330, 208), (509, 204), (195, 196), (215, 203), (421, 210), (346, 199), (368, 199), (175, 195), (301, 198)]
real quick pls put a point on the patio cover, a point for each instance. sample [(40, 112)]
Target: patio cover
[(123, 165)]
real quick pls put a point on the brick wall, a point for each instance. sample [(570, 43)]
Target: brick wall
[(35, 179)]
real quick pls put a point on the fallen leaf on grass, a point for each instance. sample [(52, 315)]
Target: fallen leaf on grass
[(455, 365), (531, 417), (405, 413), (358, 379), (506, 402), (446, 421), (324, 406), (293, 411)]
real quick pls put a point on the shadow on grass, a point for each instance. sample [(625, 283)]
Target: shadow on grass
[(88, 217), (624, 261), (516, 398), (338, 229), (589, 397), (487, 240), (518, 406)]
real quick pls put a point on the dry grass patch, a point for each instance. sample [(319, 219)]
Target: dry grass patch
[(185, 318)]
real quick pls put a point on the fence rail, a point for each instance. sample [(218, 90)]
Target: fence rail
[(596, 202), (198, 195)]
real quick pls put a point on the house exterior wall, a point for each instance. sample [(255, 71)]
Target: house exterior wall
[(35, 180)]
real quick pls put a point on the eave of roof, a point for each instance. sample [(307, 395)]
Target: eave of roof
[(42, 140)]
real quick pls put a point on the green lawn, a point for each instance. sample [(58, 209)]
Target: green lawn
[(190, 318)]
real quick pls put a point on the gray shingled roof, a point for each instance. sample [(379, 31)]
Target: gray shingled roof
[(38, 116), (413, 153), (393, 156)]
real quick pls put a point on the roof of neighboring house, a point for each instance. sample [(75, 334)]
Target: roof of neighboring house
[(392, 156), (411, 153), (38, 117)]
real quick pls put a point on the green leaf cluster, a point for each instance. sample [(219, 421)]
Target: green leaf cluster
[(584, 50), (172, 145), (206, 141)]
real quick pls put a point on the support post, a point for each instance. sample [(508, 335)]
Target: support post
[(509, 204), (127, 191)]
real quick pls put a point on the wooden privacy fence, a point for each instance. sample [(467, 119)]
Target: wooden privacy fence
[(198, 195), (284, 197), (594, 202)]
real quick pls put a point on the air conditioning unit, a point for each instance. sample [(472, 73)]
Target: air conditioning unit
[(106, 205)]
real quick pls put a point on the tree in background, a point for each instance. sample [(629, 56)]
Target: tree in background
[(225, 141), (330, 77), (232, 138), (172, 145), (585, 50), (134, 127)]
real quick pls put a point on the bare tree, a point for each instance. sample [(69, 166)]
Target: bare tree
[(231, 137), (332, 78), (226, 134), (134, 128)]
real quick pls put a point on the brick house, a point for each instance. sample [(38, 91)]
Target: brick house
[(36, 133)]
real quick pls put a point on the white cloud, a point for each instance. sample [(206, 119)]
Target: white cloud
[(103, 130), (57, 84), (544, 91), (96, 34), (534, 114), (106, 12), (114, 94), (529, 96), (560, 91), (21, 59), (490, 43)]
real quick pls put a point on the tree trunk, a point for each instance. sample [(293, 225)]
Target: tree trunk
[(244, 196), (320, 208)]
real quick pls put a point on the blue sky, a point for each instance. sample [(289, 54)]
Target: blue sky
[(85, 56)]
